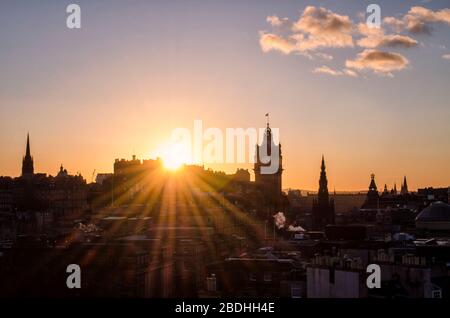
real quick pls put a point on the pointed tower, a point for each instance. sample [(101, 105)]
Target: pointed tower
[(269, 182), (27, 162), (372, 198), (323, 207), (404, 188), (323, 183), (385, 191), (372, 185)]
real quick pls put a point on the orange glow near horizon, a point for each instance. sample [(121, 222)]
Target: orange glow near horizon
[(174, 155), (117, 89)]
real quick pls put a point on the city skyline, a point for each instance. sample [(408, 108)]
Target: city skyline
[(216, 156), (28, 168), (131, 74)]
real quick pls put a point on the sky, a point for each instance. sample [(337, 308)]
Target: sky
[(370, 101)]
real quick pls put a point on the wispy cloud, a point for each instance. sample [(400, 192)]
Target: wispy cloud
[(376, 38), (281, 24), (419, 20), (378, 61), (318, 28), (329, 71), (269, 42)]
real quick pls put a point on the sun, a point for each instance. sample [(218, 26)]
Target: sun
[(172, 164), (174, 156)]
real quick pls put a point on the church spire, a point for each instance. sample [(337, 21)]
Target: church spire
[(404, 188), (323, 182), (323, 207), (28, 152), (27, 162)]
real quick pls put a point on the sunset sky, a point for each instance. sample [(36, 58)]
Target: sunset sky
[(370, 101)]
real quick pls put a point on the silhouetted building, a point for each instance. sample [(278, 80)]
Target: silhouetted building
[(241, 175), (431, 194), (38, 201), (6, 194), (117, 270), (323, 207), (101, 177), (385, 190), (260, 276), (27, 162), (336, 277), (404, 199), (404, 188), (131, 178), (373, 198), (434, 217), (269, 183), (62, 172)]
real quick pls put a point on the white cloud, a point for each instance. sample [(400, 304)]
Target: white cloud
[(316, 28), (323, 28)]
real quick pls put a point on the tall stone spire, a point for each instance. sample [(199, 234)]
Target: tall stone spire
[(323, 207), (404, 188), (323, 183), (27, 162), (28, 152)]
